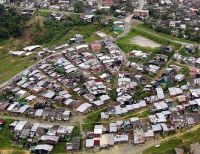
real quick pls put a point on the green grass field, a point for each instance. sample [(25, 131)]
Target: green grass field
[(141, 26), (126, 45), (182, 141)]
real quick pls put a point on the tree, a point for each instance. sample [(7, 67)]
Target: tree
[(78, 7), (12, 24)]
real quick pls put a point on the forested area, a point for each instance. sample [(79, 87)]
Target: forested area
[(11, 23)]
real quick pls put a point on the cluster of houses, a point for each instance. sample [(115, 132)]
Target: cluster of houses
[(26, 51), (179, 16), (144, 64), (40, 137), (191, 61)]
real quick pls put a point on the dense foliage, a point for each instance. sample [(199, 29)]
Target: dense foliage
[(11, 23), (54, 30)]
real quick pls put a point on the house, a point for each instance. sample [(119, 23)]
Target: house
[(179, 77), (88, 18), (2, 122), (43, 149), (74, 145), (95, 47), (84, 108), (89, 143), (106, 140), (107, 3), (118, 139), (46, 139), (31, 48), (20, 125), (98, 129), (195, 148), (179, 151), (140, 14)]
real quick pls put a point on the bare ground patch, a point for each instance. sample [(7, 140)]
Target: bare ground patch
[(144, 42)]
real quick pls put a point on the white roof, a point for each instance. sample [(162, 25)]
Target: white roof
[(44, 147), (156, 127), (160, 93), (98, 129), (98, 102), (12, 106), (149, 133), (30, 98), (83, 107), (104, 98), (35, 127), (121, 138), (23, 108), (51, 138), (30, 48), (89, 143), (20, 125), (38, 112)]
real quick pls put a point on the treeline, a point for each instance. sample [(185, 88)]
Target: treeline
[(11, 23)]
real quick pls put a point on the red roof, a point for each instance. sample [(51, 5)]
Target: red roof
[(107, 2)]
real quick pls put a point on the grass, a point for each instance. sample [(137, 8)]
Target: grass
[(166, 147), (6, 137), (185, 53), (141, 26), (59, 148), (11, 65), (88, 31), (92, 118), (182, 141), (126, 45), (140, 114)]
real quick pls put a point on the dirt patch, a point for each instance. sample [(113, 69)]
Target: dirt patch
[(144, 42)]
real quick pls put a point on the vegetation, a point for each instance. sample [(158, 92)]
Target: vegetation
[(165, 147), (12, 24), (140, 114), (78, 7), (126, 45), (149, 28), (53, 32), (92, 118), (60, 147), (6, 137), (182, 141), (10, 65)]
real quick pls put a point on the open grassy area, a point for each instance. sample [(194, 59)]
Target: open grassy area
[(140, 114), (141, 26), (183, 141), (126, 45), (10, 65), (88, 31), (92, 118)]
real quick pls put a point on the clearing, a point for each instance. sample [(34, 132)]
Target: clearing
[(145, 42)]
